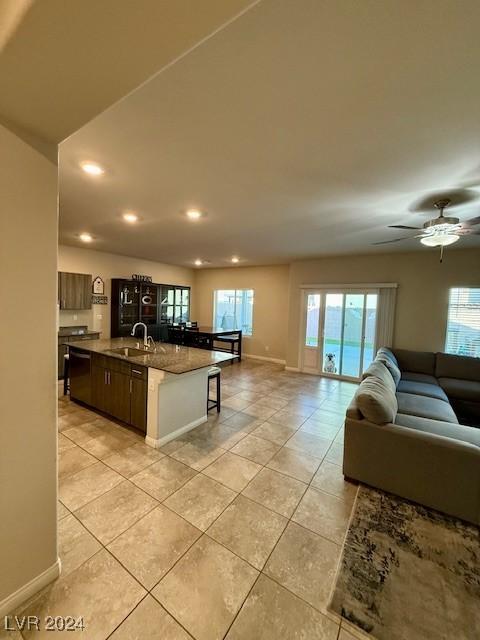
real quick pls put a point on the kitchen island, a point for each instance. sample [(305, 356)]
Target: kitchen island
[(161, 391)]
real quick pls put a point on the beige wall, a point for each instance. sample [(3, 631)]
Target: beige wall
[(422, 296), (28, 432), (270, 308), (108, 266)]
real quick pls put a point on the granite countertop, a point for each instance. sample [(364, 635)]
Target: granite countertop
[(67, 332), (167, 357)]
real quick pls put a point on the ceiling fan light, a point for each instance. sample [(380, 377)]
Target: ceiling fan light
[(439, 239)]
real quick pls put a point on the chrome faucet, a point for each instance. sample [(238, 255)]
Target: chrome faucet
[(145, 330)]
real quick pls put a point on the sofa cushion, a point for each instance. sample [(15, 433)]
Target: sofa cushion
[(391, 366), (379, 369), (387, 353), (437, 427), (419, 377), (461, 389), (416, 361), (462, 367), (376, 401), (422, 389), (424, 407)]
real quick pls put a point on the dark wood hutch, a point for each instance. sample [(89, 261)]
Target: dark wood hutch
[(157, 305)]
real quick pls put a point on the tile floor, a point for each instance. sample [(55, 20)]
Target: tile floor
[(231, 531)]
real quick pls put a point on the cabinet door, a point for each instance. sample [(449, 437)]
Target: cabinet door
[(138, 404), (118, 395), (74, 290), (182, 304), (99, 388), (128, 296), (149, 304), (80, 376), (84, 288)]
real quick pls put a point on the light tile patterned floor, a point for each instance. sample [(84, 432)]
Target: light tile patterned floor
[(232, 531)]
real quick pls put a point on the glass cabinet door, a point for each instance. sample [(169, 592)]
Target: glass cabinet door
[(167, 304), (148, 303), (182, 304), (174, 304), (129, 303)]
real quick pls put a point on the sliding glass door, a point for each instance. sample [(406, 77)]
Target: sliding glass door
[(339, 332)]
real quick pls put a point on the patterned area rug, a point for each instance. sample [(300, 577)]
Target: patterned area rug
[(408, 572)]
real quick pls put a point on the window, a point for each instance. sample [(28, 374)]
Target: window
[(233, 310), (463, 327)]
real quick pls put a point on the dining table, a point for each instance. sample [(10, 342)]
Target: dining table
[(206, 335)]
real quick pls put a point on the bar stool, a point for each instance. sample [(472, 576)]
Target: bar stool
[(233, 344), (214, 374), (66, 379)]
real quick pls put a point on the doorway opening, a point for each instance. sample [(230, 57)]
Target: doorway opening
[(339, 332)]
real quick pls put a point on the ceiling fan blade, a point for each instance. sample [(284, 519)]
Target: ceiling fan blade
[(395, 240), (472, 222), (401, 226)]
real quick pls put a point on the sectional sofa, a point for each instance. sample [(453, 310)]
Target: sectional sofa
[(402, 433)]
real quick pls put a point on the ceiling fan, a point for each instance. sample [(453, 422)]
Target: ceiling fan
[(439, 232)]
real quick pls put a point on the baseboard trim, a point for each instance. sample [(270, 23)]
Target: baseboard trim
[(12, 602), (264, 358), (292, 369), (156, 443)]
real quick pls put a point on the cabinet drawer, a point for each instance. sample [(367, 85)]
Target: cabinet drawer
[(113, 364), (139, 373), (99, 360), (119, 366)]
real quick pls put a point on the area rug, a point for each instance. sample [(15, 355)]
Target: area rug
[(408, 572)]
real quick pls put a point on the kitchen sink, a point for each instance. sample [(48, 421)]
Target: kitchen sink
[(129, 352)]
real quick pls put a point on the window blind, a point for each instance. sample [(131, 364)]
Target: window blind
[(463, 326)]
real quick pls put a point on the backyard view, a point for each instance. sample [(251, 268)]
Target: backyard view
[(343, 330), (233, 310), (463, 329)]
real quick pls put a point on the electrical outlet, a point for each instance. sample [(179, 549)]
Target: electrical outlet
[(75, 317), (99, 316), (267, 348)]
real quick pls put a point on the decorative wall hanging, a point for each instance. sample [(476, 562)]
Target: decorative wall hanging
[(98, 286), (99, 299), (140, 278)]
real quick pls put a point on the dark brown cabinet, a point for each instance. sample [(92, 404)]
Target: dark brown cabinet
[(157, 305), (74, 290), (138, 405), (99, 388), (117, 388), (118, 396)]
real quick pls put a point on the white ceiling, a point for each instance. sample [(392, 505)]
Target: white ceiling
[(303, 128), (64, 61)]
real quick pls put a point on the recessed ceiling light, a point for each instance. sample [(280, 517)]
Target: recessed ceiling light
[(194, 214), (198, 262), (92, 168), (131, 217), (235, 259), (85, 237)]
